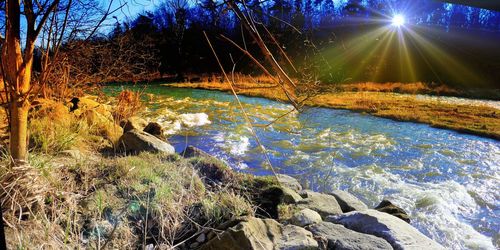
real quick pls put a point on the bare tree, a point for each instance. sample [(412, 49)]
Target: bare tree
[(17, 66), (50, 17)]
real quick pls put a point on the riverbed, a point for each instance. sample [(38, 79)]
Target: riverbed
[(447, 181)]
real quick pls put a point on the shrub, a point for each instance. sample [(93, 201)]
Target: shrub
[(129, 104)]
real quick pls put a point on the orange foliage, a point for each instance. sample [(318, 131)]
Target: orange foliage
[(129, 104)]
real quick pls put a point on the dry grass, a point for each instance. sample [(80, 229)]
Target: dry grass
[(478, 120), (120, 202), (397, 87), (79, 199), (53, 128), (128, 104)]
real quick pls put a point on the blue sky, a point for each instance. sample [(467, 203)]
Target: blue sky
[(132, 7)]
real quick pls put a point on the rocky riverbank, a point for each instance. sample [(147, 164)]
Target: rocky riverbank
[(289, 217), (96, 184)]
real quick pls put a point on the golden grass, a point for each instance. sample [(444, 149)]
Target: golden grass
[(129, 104), (478, 120), (397, 87)]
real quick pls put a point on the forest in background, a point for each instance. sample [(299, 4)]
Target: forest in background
[(169, 42), (320, 37)]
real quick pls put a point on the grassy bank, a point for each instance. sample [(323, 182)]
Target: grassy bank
[(79, 192), (477, 120)]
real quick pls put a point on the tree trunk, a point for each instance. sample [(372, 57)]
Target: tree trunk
[(19, 130), (17, 74)]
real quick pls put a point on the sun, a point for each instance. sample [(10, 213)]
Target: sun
[(398, 20)]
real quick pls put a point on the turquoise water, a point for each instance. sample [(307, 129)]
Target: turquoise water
[(449, 182)]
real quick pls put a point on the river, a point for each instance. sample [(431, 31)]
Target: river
[(448, 182)]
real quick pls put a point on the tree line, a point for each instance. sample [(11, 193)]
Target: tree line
[(169, 41)]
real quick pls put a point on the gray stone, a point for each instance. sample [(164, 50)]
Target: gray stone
[(192, 151), (324, 204), (305, 217), (201, 238), (348, 202), (254, 233), (339, 238), (290, 196), (397, 232), (296, 238), (388, 207), (288, 181), (137, 141)]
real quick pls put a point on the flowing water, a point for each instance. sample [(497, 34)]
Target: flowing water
[(447, 181)]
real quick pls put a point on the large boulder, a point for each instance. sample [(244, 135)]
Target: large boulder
[(397, 232), (340, 238), (388, 207), (135, 141), (288, 181), (305, 217), (348, 202), (324, 204), (254, 233)]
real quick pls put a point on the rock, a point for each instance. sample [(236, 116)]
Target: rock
[(398, 233), (288, 181), (339, 238), (324, 204), (254, 233), (296, 238), (348, 202), (388, 207), (133, 123), (201, 238), (137, 141), (155, 129), (192, 151), (290, 196), (305, 217)]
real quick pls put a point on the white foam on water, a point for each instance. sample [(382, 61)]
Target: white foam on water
[(194, 119), (240, 147), (173, 122), (437, 209)]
